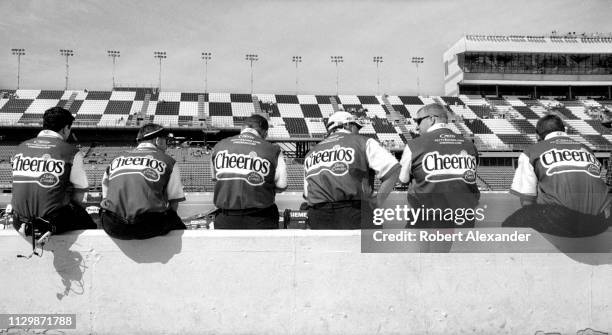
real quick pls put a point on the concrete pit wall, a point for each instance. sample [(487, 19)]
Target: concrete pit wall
[(299, 282)]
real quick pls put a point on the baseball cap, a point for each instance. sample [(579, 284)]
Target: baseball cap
[(431, 110), (151, 131), (338, 119)]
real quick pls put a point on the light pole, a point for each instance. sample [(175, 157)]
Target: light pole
[(336, 60), (252, 58), (416, 61), (206, 56), (296, 60), (66, 53), (114, 54), (377, 60), (18, 53), (159, 55)]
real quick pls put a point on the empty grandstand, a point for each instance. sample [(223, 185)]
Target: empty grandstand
[(106, 123)]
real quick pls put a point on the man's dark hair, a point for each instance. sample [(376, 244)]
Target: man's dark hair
[(257, 122), (548, 124), (57, 118)]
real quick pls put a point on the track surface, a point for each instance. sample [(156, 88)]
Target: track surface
[(497, 205)]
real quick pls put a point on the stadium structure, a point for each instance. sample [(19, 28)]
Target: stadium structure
[(302, 282), (498, 86)]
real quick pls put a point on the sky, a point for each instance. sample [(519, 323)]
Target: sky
[(275, 30)]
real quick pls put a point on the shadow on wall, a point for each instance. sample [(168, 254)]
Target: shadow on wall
[(152, 250), (592, 250), (69, 264)]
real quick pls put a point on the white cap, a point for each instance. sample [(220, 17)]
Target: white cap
[(338, 119)]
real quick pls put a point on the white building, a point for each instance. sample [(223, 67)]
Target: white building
[(563, 66)]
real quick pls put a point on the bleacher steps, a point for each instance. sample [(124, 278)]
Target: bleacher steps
[(394, 116), (70, 100), (257, 107), (334, 104), (145, 105), (465, 131), (201, 107)]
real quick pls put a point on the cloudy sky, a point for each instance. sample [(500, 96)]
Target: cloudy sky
[(275, 30)]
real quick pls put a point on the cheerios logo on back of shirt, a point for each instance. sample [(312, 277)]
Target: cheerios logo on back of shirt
[(147, 166), (557, 161), (335, 160), (250, 168), (441, 168), (44, 171)]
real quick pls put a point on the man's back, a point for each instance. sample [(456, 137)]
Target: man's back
[(336, 169), (443, 167), (137, 182), (41, 176), (568, 174), (244, 167)]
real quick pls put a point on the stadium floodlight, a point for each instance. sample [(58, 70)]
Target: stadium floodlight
[(377, 60), (336, 60), (18, 53), (66, 53), (159, 55), (114, 54), (206, 56), (252, 58), (416, 61), (296, 60)]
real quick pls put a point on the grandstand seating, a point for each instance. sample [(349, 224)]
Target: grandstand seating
[(228, 110), (497, 124), (295, 177), (490, 142), (296, 127), (483, 112), (6, 176), (518, 141), (497, 178), (451, 101), (411, 100), (477, 126), (6, 152)]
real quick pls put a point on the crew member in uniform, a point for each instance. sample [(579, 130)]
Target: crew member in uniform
[(142, 188), (249, 171), (440, 166), (559, 185), (49, 181), (339, 172)]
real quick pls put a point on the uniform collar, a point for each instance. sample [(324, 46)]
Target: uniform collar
[(555, 134), (437, 126), (250, 131), (50, 133), (146, 145)]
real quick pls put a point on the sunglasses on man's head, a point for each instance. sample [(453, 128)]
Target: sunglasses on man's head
[(418, 121)]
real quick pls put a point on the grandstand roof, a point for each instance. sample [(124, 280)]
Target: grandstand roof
[(533, 44)]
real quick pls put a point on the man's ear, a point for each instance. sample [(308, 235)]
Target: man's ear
[(66, 132)]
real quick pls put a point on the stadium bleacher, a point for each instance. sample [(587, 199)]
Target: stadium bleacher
[(496, 124)]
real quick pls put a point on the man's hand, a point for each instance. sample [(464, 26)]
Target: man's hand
[(174, 205), (79, 197), (373, 201), (386, 187)]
